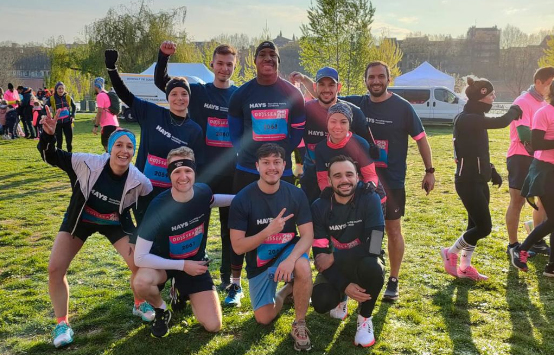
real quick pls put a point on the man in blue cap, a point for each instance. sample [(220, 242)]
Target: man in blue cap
[(105, 119)]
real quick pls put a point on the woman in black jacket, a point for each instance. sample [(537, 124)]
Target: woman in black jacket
[(473, 171), (62, 101)]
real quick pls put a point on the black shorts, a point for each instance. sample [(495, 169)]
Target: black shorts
[(396, 203), (85, 230), (518, 167), (244, 178), (105, 133), (187, 285)]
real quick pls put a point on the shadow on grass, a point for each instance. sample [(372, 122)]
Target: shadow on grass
[(526, 317), (456, 315)]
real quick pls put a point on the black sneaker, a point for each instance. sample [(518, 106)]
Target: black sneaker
[(549, 270), (518, 258), (530, 252), (391, 293), (223, 286), (160, 325), (541, 247)]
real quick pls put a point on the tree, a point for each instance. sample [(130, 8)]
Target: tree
[(389, 52), (548, 58), (237, 40), (338, 35), (512, 36)]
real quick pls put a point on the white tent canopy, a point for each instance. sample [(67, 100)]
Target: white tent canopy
[(425, 75), (194, 72)]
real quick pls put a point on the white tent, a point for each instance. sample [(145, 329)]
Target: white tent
[(425, 75), (194, 72)]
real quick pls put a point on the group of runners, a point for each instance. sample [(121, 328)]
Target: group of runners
[(230, 147)]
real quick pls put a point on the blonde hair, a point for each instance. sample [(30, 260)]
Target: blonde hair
[(182, 152)]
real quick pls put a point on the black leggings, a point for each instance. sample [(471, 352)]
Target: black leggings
[(368, 272), (476, 197), (545, 227), (67, 131)]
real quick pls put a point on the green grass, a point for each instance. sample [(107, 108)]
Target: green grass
[(512, 313)]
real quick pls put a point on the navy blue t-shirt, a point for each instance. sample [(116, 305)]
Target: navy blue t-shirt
[(177, 228), (252, 210), (261, 114), (103, 203), (391, 122), (209, 107), (158, 136), (315, 129)]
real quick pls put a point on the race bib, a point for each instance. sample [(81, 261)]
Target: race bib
[(107, 219), (217, 133), (269, 125), (272, 247), (383, 160), (155, 170), (186, 245)]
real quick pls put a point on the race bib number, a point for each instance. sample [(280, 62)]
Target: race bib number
[(270, 125), (155, 170), (217, 133), (92, 216), (383, 160), (272, 247), (186, 245), (64, 113)]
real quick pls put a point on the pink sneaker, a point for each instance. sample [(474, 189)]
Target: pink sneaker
[(471, 273), (450, 261)]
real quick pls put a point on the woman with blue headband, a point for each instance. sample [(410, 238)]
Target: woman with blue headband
[(104, 189)]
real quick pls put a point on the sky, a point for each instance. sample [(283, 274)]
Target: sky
[(37, 21)]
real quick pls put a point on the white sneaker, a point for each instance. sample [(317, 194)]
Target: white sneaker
[(340, 311), (63, 335), (364, 334)]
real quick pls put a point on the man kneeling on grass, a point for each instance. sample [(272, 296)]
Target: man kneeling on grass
[(171, 243), (348, 228), (263, 220)]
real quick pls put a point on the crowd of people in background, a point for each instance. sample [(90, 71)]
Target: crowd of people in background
[(218, 145)]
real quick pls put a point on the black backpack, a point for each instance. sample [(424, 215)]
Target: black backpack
[(115, 105)]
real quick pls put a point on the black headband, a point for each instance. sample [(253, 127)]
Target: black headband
[(176, 83), (180, 163)]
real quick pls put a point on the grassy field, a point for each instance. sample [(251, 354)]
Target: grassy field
[(512, 313)]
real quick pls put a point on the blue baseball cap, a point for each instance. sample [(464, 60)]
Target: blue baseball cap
[(327, 72)]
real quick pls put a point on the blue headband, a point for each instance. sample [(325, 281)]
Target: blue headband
[(119, 133)]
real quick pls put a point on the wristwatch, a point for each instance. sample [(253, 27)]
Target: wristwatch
[(431, 170)]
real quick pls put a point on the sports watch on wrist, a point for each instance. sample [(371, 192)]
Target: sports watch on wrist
[(430, 170)]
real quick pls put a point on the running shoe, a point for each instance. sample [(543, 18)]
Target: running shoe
[(532, 254), (160, 325), (471, 273), (144, 311), (364, 333), (541, 247), (391, 293), (233, 296), (519, 258), (341, 310), (300, 334), (177, 302), (450, 261), (549, 270), (63, 335)]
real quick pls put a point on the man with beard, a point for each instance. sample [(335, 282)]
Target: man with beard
[(326, 87), (265, 109), (348, 234), (263, 220)]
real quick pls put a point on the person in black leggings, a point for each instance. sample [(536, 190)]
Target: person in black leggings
[(540, 183), (473, 171)]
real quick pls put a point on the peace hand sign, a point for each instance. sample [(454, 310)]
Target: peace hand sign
[(278, 223), (49, 123)]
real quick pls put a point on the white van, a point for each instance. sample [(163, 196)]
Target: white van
[(432, 103)]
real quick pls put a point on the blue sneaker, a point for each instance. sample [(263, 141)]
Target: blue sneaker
[(144, 311), (63, 335), (233, 296)]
